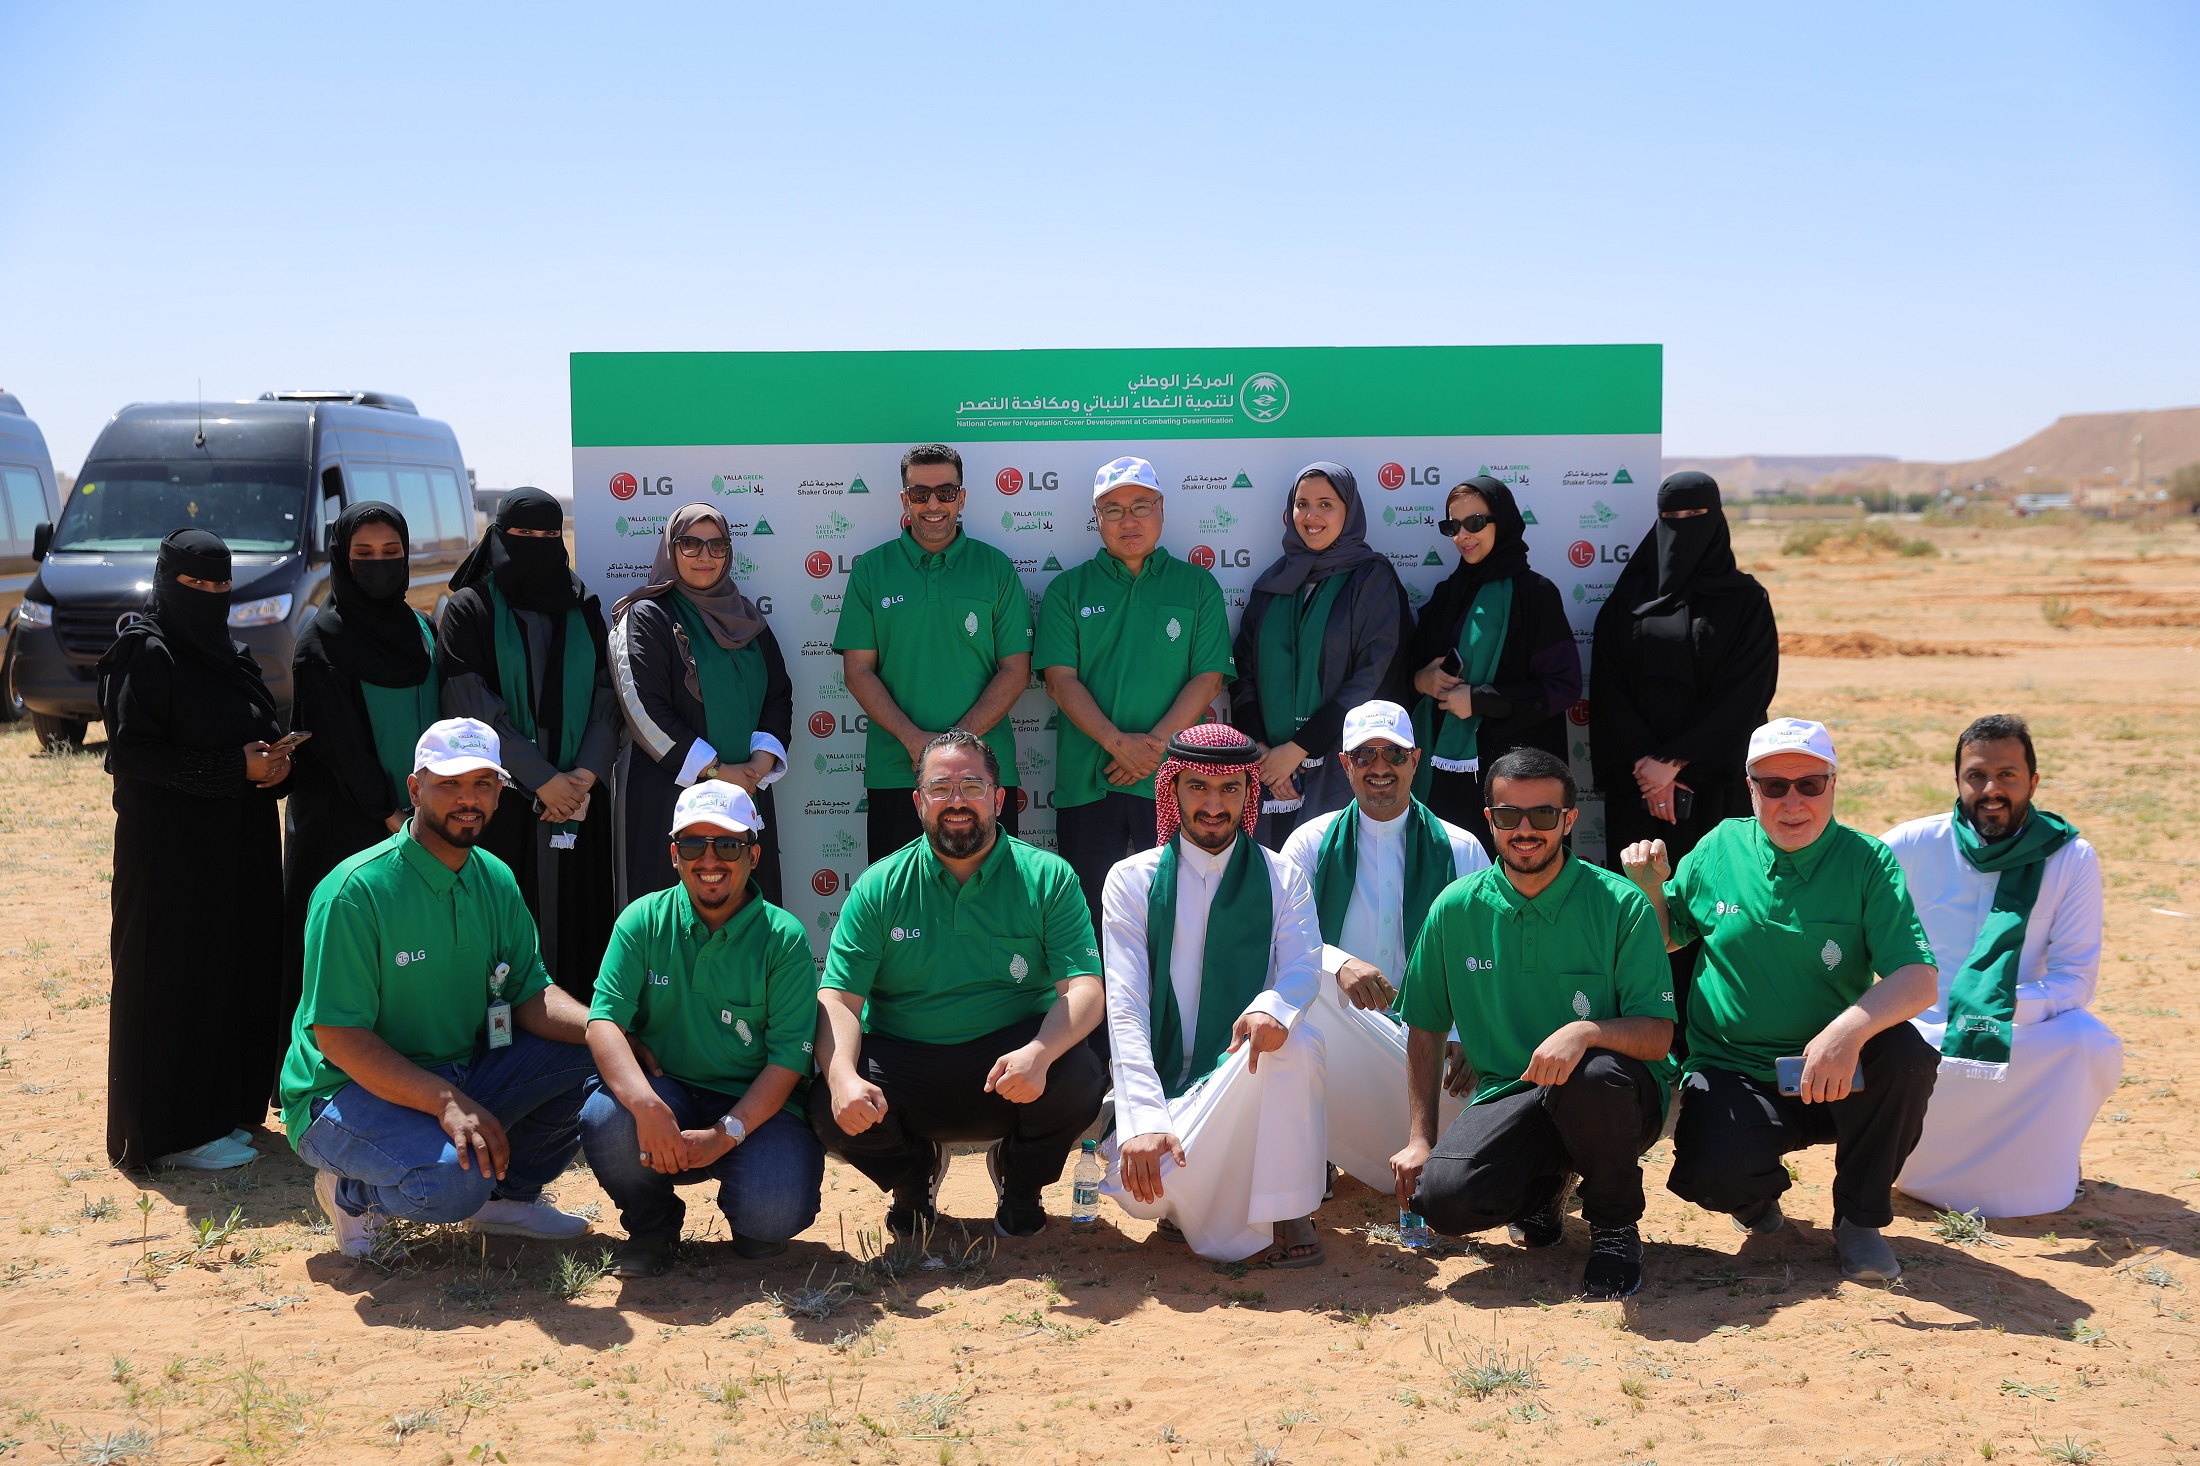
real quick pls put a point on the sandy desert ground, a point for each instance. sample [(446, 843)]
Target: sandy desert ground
[(137, 1322)]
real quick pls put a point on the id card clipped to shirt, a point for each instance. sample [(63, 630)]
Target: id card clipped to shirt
[(500, 1011)]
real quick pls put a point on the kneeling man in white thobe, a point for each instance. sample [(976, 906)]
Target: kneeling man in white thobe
[(1375, 867), (2011, 901), (1211, 956)]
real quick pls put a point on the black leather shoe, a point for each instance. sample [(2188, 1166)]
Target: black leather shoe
[(643, 1257), (1014, 1218), (1615, 1264), (1545, 1226)]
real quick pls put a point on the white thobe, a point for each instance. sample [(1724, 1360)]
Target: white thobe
[(1251, 1140), (1370, 1121), (2010, 1149)]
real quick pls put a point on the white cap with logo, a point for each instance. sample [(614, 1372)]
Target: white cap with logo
[(1124, 473), (720, 805), (1791, 735), (1378, 719), (458, 746)]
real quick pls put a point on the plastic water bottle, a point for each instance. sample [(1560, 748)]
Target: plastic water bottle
[(1412, 1231), (1084, 1193)]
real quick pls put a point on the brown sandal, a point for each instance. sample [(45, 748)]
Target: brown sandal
[(1168, 1231), (1291, 1238)]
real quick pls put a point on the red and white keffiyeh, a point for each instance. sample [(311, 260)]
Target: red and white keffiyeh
[(1212, 748)]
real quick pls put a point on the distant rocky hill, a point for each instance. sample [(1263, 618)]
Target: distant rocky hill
[(1743, 477)]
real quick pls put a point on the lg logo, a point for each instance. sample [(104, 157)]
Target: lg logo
[(825, 882), (1023, 800), (625, 486), (1009, 481), (819, 564), (1583, 554), (1206, 557), (1014, 480), (824, 724), (1578, 714), (1397, 476)]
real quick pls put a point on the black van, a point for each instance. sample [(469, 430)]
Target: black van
[(269, 477)]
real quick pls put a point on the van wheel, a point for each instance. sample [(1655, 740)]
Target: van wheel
[(58, 735), (11, 701)]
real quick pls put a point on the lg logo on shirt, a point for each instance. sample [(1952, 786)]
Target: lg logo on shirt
[(887, 603), (906, 933), (1727, 908), (406, 959), (1092, 610), (1481, 964), (660, 979)]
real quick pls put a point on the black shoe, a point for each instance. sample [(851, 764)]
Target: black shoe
[(1615, 1264), (1545, 1226), (916, 1209), (643, 1257), (1019, 1218), (756, 1249)]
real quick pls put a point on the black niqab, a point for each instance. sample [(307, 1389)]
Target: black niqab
[(1301, 562), (368, 631), (1680, 555), (196, 621), (1509, 556), (532, 572)]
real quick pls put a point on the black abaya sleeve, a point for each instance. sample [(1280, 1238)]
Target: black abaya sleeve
[(1435, 633), (777, 716), (466, 661), (649, 666), (1552, 680), (1378, 619), (1742, 685), (137, 704), (1245, 652), (326, 703), (600, 743), (1619, 733)]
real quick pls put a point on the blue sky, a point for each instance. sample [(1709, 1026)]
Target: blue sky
[(1923, 230)]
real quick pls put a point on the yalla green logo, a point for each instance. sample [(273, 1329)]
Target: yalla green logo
[(1265, 397)]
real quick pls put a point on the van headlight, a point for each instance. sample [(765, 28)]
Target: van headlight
[(34, 613), (263, 612)]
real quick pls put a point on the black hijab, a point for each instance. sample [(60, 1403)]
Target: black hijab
[(1680, 556), (1300, 562), (1507, 558), (368, 631), (533, 573), (192, 624)]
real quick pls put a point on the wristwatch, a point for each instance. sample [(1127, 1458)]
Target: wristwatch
[(708, 771), (733, 1127)]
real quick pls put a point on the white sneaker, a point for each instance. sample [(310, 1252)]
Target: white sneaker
[(222, 1154), (355, 1236), (537, 1219), (242, 1137)]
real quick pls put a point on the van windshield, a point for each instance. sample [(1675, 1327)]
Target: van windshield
[(124, 506)]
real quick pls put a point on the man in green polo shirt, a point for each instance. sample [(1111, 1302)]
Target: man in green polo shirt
[(1551, 970), (1134, 644), (434, 1072), (935, 633), (962, 980), (1796, 912), (720, 987)]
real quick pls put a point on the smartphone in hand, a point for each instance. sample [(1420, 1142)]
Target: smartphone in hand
[(1790, 1074)]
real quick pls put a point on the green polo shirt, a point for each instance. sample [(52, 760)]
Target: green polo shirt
[(398, 942), (1134, 642), (1789, 939), (940, 624), (945, 963), (714, 1007), (1509, 972)]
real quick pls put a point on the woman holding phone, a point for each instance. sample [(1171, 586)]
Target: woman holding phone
[(1492, 661)]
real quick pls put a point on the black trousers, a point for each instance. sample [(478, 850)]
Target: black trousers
[(1506, 1159), (1093, 837), (1733, 1130), (890, 820), (935, 1094)]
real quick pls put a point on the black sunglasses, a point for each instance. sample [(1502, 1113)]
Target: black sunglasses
[(945, 494), (1472, 524), (695, 547), (1365, 757), (729, 847), (1508, 816), (1810, 786)]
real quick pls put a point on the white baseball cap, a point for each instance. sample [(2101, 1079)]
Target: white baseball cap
[(1791, 735), (1124, 473), (458, 746), (720, 805), (1378, 719)]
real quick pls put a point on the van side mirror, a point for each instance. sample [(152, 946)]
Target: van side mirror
[(41, 540)]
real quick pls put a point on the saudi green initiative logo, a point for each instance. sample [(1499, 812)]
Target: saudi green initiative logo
[(1265, 397)]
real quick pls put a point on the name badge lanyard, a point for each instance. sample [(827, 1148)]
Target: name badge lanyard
[(500, 1011)]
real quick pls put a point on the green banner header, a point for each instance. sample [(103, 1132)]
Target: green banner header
[(635, 399)]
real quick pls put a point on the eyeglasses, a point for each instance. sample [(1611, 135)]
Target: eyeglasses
[(697, 548), (1365, 757), (945, 494), (1508, 816), (1472, 524), (1810, 786), (939, 791), (1143, 509), (729, 847)]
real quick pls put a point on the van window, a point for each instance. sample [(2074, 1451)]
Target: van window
[(26, 506), (127, 507), (370, 484), (450, 510), (417, 507)]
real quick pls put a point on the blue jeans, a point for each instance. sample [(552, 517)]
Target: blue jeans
[(768, 1185), (396, 1160)]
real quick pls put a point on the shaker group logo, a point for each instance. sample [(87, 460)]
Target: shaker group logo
[(1582, 554), (818, 564), (1265, 397)]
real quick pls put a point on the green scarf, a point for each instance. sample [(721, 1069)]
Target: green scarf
[(1982, 999), (1481, 638), (518, 690), (1290, 666), (397, 716), (1429, 868), (1234, 967), (733, 684)]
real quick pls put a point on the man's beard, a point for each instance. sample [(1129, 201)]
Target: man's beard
[(1213, 844), (959, 845), (1997, 824), (1554, 851), (464, 840)]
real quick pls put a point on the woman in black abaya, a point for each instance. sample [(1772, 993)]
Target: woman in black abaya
[(196, 1031), (1681, 672), (521, 647), (364, 686)]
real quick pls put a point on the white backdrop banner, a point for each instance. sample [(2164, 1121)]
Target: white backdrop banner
[(802, 453)]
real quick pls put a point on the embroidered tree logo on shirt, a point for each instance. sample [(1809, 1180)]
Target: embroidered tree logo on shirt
[(1018, 968), (741, 1027), (1581, 1003), (1830, 954), (1175, 628), (970, 624)]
